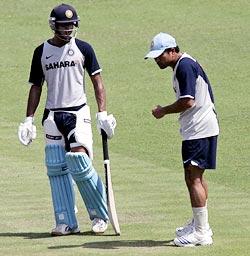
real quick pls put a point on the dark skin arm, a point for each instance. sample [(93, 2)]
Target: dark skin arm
[(100, 96), (177, 107), (33, 100), (100, 93)]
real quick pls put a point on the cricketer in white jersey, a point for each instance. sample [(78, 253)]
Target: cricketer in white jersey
[(62, 61), (199, 129)]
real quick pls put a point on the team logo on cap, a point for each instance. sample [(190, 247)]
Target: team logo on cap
[(69, 14)]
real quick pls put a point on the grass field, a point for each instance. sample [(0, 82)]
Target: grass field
[(145, 153)]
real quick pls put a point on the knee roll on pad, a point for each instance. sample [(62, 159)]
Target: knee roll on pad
[(55, 160), (89, 184), (61, 184)]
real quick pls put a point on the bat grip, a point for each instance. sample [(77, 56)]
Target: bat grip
[(105, 145)]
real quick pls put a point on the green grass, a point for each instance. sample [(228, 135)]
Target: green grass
[(145, 153)]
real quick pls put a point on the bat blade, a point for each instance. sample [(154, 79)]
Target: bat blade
[(109, 188), (111, 199)]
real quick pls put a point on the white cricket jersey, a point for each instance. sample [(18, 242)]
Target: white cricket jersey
[(63, 69), (190, 81)]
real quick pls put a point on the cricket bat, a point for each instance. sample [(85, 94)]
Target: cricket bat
[(109, 189)]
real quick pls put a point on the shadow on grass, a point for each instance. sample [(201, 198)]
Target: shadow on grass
[(119, 244), (26, 235), (33, 235), (92, 245)]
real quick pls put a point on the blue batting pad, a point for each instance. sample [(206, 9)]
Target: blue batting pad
[(61, 184), (89, 184)]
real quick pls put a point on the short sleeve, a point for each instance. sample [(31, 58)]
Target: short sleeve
[(186, 75), (36, 71), (91, 64)]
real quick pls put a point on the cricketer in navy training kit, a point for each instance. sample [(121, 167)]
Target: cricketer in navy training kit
[(62, 61), (199, 129)]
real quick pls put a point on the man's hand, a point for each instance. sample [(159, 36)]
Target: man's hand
[(106, 123), (158, 112), (27, 131)]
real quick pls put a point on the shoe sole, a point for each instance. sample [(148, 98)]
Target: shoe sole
[(210, 233), (98, 233), (202, 243), (61, 234)]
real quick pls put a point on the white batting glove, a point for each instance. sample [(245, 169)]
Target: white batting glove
[(106, 122), (27, 131)]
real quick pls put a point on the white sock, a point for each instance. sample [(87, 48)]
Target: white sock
[(200, 219)]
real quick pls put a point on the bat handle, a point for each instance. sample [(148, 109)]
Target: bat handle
[(105, 145)]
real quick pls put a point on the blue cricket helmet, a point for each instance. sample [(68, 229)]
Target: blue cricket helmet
[(63, 14)]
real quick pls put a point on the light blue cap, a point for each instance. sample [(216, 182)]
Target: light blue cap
[(159, 44)]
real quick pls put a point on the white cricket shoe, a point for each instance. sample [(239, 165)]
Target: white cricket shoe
[(99, 226), (193, 239), (64, 230), (189, 228)]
